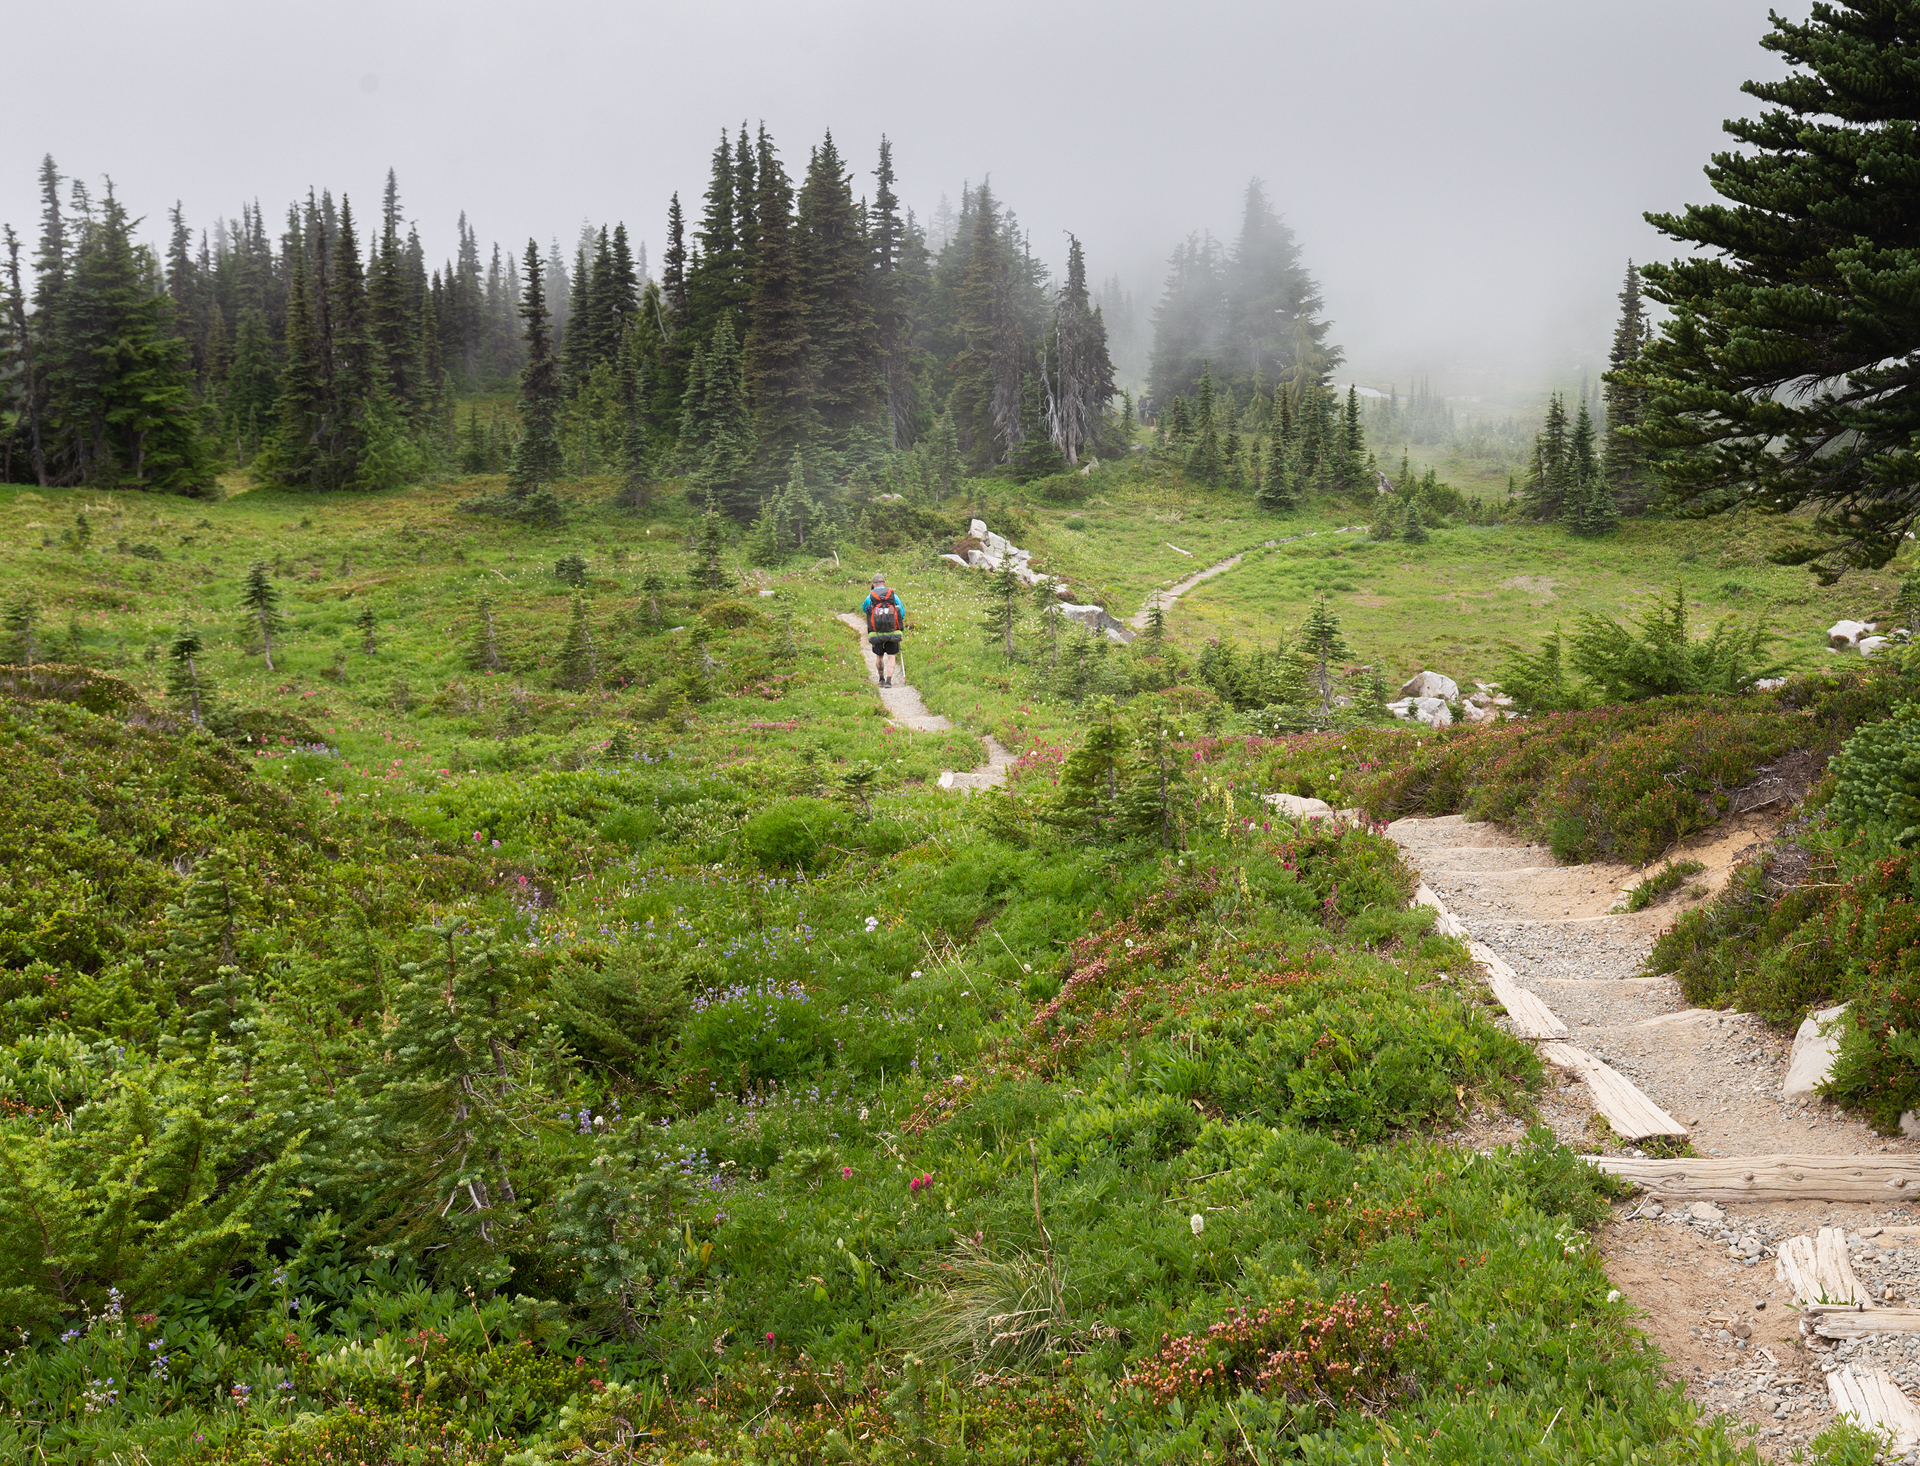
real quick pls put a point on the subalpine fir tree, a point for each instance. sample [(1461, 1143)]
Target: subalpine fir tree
[(536, 457), (1413, 528), (122, 379), (579, 661), (1230, 451), (1544, 495), (1002, 612), (775, 369), (484, 654), (1802, 276), (1280, 489), (708, 571), (1154, 799), (1590, 505), (835, 262), (1091, 779), (188, 680), (1204, 459), (261, 600), (653, 585), (22, 624), (1324, 646), (1625, 460), (465, 1094), (1076, 367)]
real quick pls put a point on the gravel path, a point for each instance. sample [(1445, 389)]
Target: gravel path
[(903, 704), (1702, 1275)]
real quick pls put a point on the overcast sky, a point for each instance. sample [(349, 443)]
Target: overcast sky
[(1467, 178)]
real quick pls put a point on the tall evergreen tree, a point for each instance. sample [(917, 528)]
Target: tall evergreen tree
[(1625, 457), (1783, 374), (536, 457), (1076, 368), (892, 327), (777, 345), (843, 351), (1545, 493), (123, 390)]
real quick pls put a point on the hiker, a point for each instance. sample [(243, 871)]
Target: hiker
[(886, 619)]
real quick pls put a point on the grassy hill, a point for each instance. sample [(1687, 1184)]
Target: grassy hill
[(430, 1061)]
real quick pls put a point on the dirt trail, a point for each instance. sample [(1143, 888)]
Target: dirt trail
[(903, 704), (1702, 1277), (1164, 598)]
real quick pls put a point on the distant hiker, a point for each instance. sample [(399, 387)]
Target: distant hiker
[(886, 619)]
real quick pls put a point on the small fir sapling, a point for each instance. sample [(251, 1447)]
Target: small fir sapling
[(261, 600)]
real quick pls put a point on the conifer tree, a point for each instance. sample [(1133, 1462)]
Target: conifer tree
[(1322, 643), (1155, 795), (1801, 278), (1590, 505), (1204, 459), (188, 680), (775, 367), (1413, 529), (708, 572), (368, 627), (536, 457), (1077, 370), (579, 661), (261, 598), (1092, 776), (886, 233), (1280, 490), (653, 585), (1544, 496), (1625, 460), (22, 623), (835, 261), (1002, 613), (484, 654)]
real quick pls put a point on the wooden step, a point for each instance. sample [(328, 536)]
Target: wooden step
[(1819, 1270), (1875, 1402), (1532, 1018), (1770, 1177), (1631, 1114), (1856, 1320)]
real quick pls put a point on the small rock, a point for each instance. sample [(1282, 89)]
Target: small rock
[(1869, 645), (1299, 806), (1706, 1211), (1814, 1050)]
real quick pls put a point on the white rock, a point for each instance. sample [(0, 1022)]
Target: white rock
[(956, 560), (1433, 711), (1474, 712), (1813, 1053), (980, 560), (977, 528), (1871, 644), (1706, 1211), (1299, 806), (1095, 618), (1767, 684), (1430, 684), (1910, 1123), (1845, 635)]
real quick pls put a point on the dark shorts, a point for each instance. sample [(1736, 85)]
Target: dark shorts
[(884, 646)]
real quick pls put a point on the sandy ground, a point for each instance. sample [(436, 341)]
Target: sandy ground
[(1705, 1285)]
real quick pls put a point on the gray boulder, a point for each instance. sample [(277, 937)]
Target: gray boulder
[(1430, 684), (1844, 636)]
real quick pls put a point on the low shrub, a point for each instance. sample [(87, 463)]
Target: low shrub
[(796, 832)]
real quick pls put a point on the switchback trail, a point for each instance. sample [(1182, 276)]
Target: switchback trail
[(1699, 1267), (903, 704), (1166, 596)]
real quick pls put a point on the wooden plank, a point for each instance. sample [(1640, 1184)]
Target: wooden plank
[(1771, 1177), (1447, 924), (1631, 1114), (1858, 1321), (1819, 1270), (1685, 1015), (1532, 1018), (1872, 1398)]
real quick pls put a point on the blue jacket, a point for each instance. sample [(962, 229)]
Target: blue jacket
[(866, 609)]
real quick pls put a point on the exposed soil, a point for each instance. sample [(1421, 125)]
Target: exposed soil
[(1697, 1281)]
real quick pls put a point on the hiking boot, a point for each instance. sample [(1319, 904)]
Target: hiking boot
[(886, 681)]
